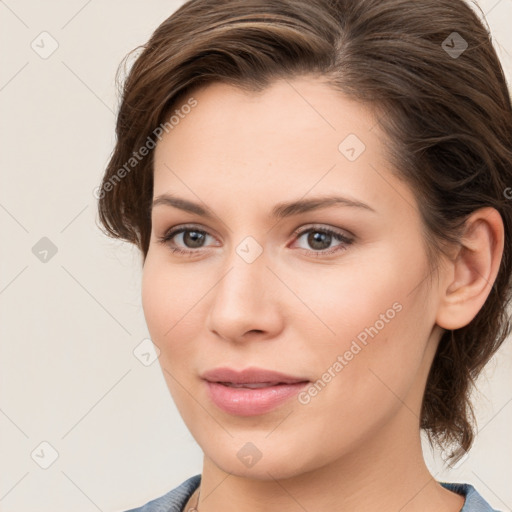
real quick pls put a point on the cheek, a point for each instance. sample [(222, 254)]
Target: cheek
[(170, 301), (376, 326), (169, 295), (170, 304), (353, 300)]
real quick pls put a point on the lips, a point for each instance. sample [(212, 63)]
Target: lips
[(250, 392), (255, 385), (250, 377)]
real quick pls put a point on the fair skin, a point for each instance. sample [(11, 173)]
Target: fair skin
[(355, 446)]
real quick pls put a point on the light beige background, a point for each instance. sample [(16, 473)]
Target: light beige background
[(69, 326)]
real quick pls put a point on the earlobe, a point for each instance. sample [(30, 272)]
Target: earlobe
[(469, 277)]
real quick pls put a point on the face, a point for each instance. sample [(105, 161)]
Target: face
[(282, 241)]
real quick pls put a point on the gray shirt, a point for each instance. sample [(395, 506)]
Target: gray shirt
[(176, 499)]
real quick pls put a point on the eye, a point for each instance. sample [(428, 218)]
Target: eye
[(185, 240), (189, 240), (320, 239)]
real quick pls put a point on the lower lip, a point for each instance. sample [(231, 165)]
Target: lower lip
[(251, 402)]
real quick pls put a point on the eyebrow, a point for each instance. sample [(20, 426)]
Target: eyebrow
[(281, 210)]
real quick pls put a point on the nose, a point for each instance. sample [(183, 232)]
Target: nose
[(245, 303)]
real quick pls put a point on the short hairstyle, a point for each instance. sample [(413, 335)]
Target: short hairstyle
[(429, 71)]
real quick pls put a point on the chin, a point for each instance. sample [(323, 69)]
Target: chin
[(262, 459)]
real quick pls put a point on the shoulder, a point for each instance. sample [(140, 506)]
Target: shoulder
[(174, 500), (473, 501)]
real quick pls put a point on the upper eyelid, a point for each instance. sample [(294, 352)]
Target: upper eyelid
[(302, 229), (176, 230)]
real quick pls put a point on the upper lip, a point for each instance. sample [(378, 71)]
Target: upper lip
[(250, 376)]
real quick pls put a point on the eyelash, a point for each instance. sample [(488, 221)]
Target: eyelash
[(169, 235)]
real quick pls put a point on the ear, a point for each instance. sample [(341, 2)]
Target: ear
[(470, 275)]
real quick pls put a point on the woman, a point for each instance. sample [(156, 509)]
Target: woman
[(318, 191)]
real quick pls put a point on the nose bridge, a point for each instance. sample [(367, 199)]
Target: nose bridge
[(246, 277), (241, 300)]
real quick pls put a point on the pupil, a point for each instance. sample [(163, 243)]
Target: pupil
[(193, 239), (319, 240)]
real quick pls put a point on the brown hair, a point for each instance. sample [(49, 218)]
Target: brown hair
[(445, 108)]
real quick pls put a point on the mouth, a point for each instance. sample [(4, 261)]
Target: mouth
[(250, 377), (257, 385), (251, 391)]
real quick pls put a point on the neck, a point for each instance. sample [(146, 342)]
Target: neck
[(386, 473)]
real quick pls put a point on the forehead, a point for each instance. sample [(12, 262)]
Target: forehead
[(301, 105), (296, 136), (287, 122)]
